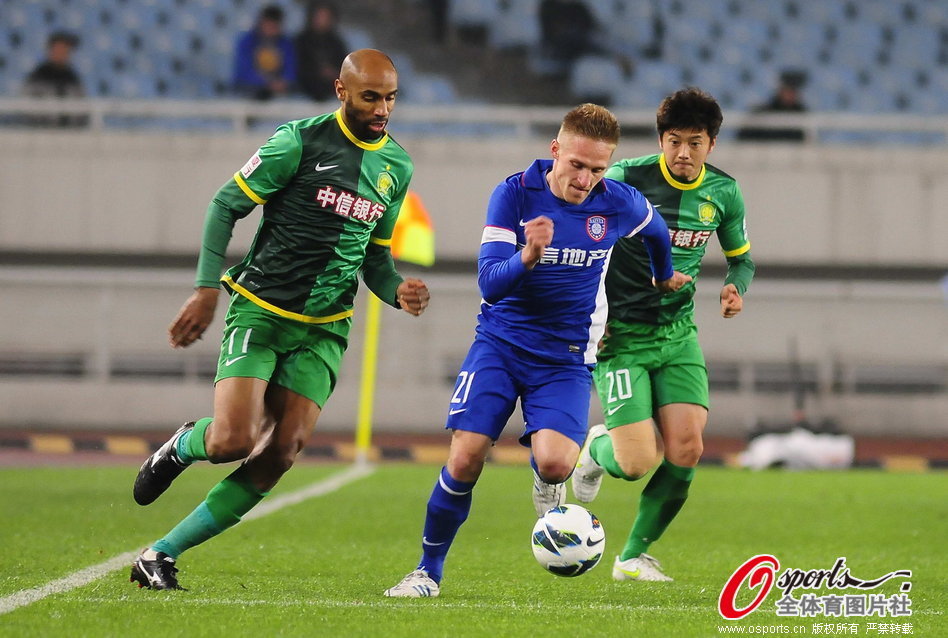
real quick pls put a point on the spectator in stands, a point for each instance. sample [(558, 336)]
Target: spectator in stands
[(264, 62), (567, 29), (55, 77), (786, 99), (320, 50)]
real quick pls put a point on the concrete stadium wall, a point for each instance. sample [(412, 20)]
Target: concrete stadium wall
[(81, 191), (104, 318), (147, 192)]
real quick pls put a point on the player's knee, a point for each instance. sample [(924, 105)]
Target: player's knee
[(636, 466), (686, 454), (553, 470), (224, 444), (465, 465)]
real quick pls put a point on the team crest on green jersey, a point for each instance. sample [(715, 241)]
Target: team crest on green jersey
[(384, 183), (706, 212)]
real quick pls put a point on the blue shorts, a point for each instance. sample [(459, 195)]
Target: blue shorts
[(495, 374)]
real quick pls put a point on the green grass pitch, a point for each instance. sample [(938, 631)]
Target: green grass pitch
[(318, 568)]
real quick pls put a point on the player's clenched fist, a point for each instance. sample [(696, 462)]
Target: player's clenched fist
[(539, 234), (731, 302), (412, 295), (193, 318), (677, 280)]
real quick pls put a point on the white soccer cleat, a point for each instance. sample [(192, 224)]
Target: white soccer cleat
[(546, 496), (642, 567), (587, 477), (417, 584)]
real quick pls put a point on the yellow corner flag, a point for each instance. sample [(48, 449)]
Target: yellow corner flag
[(413, 236)]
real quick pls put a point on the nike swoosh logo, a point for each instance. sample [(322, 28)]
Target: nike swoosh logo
[(425, 541), (458, 411), (589, 542), (634, 574), (523, 223), (320, 169), (153, 578), (234, 360), (612, 411)]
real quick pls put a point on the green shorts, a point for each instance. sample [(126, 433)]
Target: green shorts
[(302, 357), (643, 367)]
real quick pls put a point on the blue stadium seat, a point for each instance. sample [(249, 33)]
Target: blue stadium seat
[(596, 78), (517, 25), (915, 47), (428, 88), (651, 82), (473, 13), (855, 43), (356, 38)]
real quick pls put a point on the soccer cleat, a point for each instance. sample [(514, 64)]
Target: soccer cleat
[(546, 496), (642, 567), (587, 477), (417, 584), (160, 469), (159, 573)]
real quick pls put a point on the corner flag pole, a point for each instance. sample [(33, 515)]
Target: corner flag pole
[(363, 440), (412, 242)]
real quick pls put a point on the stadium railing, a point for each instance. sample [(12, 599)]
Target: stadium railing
[(457, 119)]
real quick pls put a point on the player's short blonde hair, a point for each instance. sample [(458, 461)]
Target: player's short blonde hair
[(592, 121)]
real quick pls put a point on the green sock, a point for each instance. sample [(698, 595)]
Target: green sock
[(190, 447), (224, 506), (601, 450), (661, 501)]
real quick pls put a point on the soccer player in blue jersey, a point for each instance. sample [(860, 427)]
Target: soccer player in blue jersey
[(548, 237)]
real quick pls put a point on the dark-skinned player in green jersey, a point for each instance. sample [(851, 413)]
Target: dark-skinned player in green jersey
[(331, 187), (651, 368)]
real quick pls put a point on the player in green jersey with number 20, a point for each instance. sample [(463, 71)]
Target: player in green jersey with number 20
[(651, 370), (331, 187)]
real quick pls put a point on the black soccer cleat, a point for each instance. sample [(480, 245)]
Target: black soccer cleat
[(160, 469), (160, 573)]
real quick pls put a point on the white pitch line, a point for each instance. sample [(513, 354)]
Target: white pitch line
[(89, 574)]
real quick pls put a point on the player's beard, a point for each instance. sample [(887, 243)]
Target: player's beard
[(360, 124)]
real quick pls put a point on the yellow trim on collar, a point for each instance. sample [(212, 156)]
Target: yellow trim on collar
[(256, 199), (683, 186), (280, 311), (737, 251), (369, 146)]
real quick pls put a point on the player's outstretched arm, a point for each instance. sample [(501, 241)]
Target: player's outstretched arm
[(194, 317), (678, 279), (731, 301), (412, 295)]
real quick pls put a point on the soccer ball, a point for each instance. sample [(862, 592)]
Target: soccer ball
[(568, 540)]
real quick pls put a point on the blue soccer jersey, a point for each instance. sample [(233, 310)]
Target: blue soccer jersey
[(557, 311)]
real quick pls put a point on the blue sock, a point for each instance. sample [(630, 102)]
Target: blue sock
[(448, 507)]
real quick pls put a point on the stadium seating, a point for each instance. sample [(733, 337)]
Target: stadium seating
[(155, 48), (891, 56)]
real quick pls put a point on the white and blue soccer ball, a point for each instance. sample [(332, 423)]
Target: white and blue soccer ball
[(568, 540)]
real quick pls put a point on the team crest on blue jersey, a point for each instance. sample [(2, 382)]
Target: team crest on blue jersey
[(596, 227)]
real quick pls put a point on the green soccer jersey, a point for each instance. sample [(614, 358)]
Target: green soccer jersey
[(712, 203), (330, 201)]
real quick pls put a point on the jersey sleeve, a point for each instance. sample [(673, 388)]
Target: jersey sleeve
[(269, 170), (499, 267), (732, 232), (272, 166), (616, 172)]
